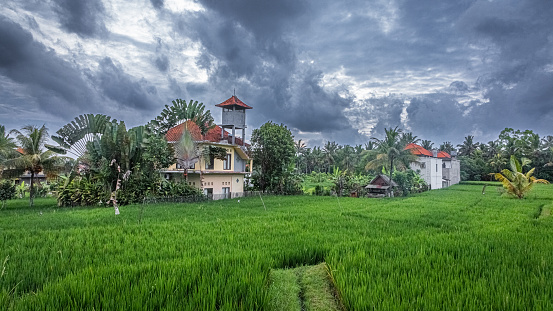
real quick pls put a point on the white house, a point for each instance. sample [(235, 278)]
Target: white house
[(438, 168)]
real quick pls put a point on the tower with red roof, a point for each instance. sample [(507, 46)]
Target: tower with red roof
[(234, 117)]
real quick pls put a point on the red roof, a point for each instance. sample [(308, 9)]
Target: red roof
[(213, 135), (417, 150), (233, 101), (443, 154)]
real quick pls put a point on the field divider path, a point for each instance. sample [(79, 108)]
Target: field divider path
[(305, 288)]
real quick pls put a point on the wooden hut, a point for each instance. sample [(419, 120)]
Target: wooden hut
[(381, 186)]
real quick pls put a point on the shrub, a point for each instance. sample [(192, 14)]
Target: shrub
[(7, 191)]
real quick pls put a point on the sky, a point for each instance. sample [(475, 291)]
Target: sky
[(329, 70)]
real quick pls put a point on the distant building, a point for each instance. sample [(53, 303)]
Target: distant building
[(381, 186), (217, 178), (438, 168)]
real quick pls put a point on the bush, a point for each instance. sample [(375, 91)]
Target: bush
[(7, 191)]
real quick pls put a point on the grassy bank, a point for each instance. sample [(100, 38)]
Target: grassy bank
[(445, 249)]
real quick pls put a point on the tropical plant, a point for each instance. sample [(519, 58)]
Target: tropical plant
[(447, 147), (7, 191), (32, 158), (468, 146), (74, 136), (427, 144), (273, 152), (390, 153), (7, 145), (179, 112), (515, 181)]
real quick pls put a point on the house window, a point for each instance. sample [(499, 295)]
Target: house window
[(209, 164), (208, 192), (227, 162), (436, 167)]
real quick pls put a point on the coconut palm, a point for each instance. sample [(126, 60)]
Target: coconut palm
[(468, 146), (31, 156), (447, 147), (515, 181), (390, 152), (427, 144), (7, 146), (179, 112)]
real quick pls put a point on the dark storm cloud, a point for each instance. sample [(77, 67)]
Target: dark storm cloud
[(83, 17), (437, 117), (248, 48), (162, 63), (56, 85), (519, 83), (119, 86), (158, 4)]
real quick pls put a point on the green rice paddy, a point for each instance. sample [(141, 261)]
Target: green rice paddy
[(449, 249)]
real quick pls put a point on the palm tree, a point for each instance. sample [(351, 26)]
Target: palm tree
[(179, 112), (390, 152), (7, 145), (515, 181), (447, 147), (409, 138), (329, 151), (187, 152), (427, 144), (32, 158), (74, 136), (300, 153), (468, 146)]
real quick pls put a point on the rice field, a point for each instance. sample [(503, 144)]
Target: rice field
[(449, 249)]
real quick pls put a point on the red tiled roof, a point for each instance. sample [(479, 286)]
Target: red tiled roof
[(233, 101), (213, 135), (417, 150), (443, 154)]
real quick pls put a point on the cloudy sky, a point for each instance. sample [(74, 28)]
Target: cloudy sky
[(329, 70)]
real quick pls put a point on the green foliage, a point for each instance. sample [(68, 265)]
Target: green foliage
[(32, 158), (73, 137), (515, 181), (7, 191), (452, 249), (179, 112), (390, 152), (273, 152), (409, 182), (82, 192)]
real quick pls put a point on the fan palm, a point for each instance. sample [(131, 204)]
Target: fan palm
[(32, 158), (515, 181), (179, 112)]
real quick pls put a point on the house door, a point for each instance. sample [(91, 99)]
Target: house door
[(208, 192), (226, 192)]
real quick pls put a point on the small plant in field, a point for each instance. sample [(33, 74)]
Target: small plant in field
[(515, 181)]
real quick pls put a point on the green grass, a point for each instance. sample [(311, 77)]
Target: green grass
[(449, 249)]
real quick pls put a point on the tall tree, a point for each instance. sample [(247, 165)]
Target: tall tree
[(179, 112), (390, 152), (7, 146), (73, 137), (447, 147), (427, 144), (273, 152), (329, 150), (468, 146), (32, 157)]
